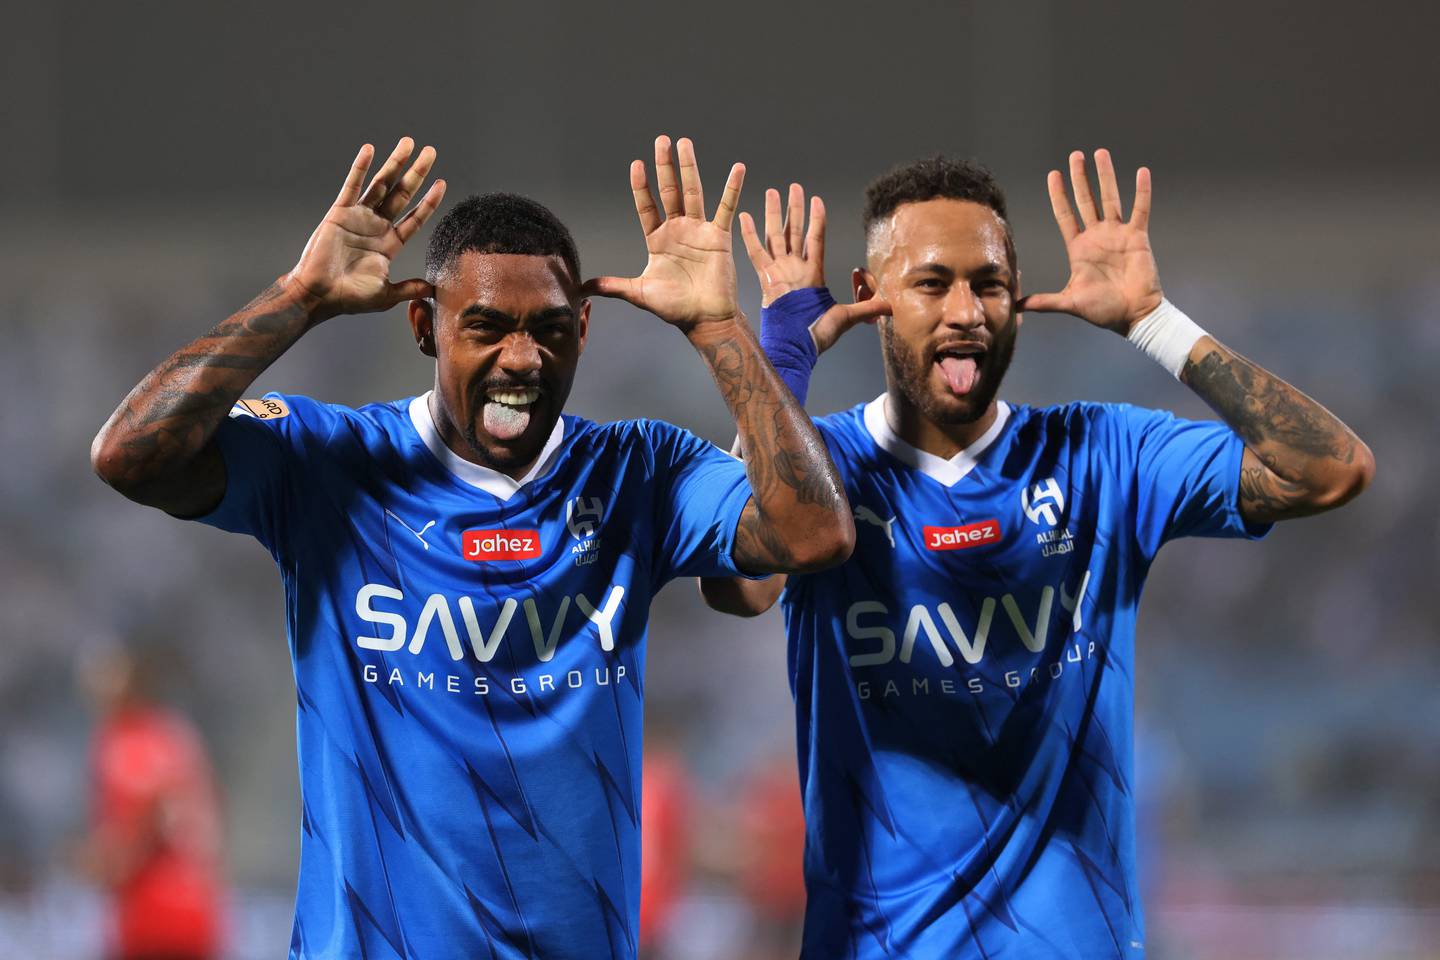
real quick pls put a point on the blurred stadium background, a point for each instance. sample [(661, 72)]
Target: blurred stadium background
[(163, 161)]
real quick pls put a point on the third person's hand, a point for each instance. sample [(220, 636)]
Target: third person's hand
[(792, 258)]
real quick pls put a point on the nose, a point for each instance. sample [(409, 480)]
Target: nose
[(519, 354), (962, 308)]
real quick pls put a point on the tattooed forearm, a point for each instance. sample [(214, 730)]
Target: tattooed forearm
[(1301, 459), (155, 447), (798, 518), (1262, 408)]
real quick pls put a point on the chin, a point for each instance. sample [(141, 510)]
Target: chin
[(969, 413), (507, 455), (940, 405), (957, 410), (506, 459), (497, 454)]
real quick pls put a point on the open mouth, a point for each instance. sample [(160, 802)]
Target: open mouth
[(507, 410), (960, 366)]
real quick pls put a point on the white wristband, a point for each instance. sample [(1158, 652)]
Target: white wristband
[(1166, 336)]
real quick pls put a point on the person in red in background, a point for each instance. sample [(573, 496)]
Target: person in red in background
[(666, 797), (771, 822), (155, 839)]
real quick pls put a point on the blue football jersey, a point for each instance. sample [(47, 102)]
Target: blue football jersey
[(964, 683), (469, 656)]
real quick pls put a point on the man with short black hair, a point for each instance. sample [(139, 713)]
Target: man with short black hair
[(963, 684), (933, 178), (467, 573)]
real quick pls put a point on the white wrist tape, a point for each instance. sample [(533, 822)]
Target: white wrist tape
[(1166, 336)]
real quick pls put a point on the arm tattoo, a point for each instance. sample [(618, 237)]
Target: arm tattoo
[(796, 490), (1298, 446), (1263, 408), (1265, 495), (155, 444)]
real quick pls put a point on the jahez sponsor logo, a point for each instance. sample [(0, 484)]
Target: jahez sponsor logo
[(961, 538), (483, 545)]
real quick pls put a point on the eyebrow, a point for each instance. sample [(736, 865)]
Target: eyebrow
[(500, 316), (932, 267), (991, 269)]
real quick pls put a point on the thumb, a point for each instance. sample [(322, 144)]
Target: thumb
[(415, 289), (1046, 303), (619, 288), (834, 323)]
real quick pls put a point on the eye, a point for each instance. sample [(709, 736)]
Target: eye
[(484, 330), (552, 333), (930, 283)]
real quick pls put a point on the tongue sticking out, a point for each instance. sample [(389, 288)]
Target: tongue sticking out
[(961, 373), (505, 422)]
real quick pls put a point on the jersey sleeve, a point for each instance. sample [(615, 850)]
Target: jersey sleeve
[(264, 444), (700, 493), (1187, 479)]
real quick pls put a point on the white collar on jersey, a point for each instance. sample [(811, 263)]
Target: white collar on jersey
[(492, 482), (949, 472)]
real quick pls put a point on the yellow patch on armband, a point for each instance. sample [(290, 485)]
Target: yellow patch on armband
[(264, 409)]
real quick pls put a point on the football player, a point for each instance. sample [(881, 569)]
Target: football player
[(963, 684)]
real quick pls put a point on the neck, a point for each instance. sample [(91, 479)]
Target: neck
[(943, 440), (463, 448)]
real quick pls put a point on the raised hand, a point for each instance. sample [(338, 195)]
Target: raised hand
[(690, 277), (1113, 278), (793, 258), (345, 266)]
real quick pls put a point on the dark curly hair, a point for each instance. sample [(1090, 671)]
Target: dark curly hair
[(933, 178), (499, 223)]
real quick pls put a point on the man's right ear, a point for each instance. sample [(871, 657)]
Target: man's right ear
[(422, 324), (862, 284)]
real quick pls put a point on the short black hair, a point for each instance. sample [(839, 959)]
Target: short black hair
[(499, 223), (935, 178)]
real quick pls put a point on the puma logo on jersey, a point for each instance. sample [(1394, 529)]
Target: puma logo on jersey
[(419, 534), (866, 515)]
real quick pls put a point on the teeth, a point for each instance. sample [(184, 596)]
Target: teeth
[(515, 398)]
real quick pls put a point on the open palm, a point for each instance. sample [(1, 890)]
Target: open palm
[(1113, 278), (690, 276), (792, 258), (346, 262)]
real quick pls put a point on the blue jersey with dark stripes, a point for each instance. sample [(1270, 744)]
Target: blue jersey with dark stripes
[(964, 683), (469, 656)]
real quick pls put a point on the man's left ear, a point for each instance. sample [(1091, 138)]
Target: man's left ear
[(422, 324)]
